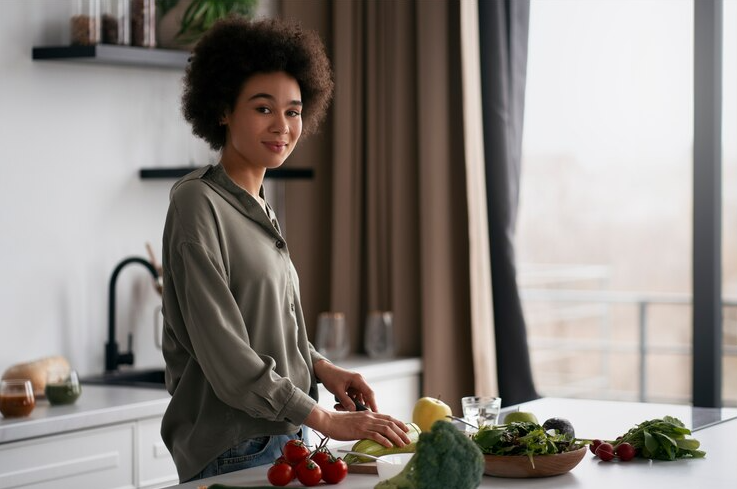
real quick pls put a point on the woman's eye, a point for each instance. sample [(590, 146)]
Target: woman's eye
[(264, 110), (293, 113)]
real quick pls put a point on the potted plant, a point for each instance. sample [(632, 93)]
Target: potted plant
[(182, 22)]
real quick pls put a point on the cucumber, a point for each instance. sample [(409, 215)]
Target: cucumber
[(370, 447)]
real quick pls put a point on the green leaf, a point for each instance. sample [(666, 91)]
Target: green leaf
[(673, 421), (488, 438), (688, 443), (163, 6), (202, 14), (651, 444), (697, 453), (668, 446)]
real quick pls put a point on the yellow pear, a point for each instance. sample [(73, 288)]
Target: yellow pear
[(428, 410)]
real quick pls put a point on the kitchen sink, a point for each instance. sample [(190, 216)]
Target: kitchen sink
[(153, 378)]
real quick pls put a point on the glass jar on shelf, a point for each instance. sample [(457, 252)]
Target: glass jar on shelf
[(114, 14), (143, 23), (85, 23)]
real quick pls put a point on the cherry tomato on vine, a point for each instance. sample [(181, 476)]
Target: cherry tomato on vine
[(309, 473), (280, 474), (321, 458), (334, 470), (295, 451)]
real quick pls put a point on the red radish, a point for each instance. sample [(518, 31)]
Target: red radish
[(605, 451), (625, 452), (594, 445)]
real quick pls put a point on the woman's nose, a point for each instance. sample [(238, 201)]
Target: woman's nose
[(280, 126)]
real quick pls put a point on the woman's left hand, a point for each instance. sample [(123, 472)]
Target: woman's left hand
[(346, 385)]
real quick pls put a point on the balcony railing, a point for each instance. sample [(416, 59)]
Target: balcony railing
[(590, 302)]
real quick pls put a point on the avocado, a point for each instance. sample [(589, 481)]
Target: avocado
[(562, 426)]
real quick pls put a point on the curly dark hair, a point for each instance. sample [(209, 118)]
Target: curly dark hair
[(236, 48)]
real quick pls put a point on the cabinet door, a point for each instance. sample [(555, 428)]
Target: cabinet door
[(395, 396), (155, 465), (100, 458)]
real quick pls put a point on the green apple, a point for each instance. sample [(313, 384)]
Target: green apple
[(428, 410), (520, 417)]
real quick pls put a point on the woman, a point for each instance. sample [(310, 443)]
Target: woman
[(241, 371)]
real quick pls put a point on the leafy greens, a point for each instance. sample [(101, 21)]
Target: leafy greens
[(662, 439), (522, 438)]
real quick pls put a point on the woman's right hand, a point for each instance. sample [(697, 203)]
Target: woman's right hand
[(356, 425)]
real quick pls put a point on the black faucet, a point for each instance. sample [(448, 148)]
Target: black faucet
[(113, 357)]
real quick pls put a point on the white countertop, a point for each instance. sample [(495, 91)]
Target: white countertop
[(597, 419), (97, 406)]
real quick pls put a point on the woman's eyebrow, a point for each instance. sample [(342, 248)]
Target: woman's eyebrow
[(272, 98)]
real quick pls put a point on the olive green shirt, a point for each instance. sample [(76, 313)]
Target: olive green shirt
[(238, 361)]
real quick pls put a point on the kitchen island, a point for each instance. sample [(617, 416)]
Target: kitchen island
[(716, 429)]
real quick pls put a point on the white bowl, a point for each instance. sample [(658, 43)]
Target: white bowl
[(397, 462)]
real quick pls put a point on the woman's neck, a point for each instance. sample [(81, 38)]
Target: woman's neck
[(247, 177)]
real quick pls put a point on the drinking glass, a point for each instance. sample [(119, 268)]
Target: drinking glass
[(332, 335), (16, 398), (62, 386), (481, 410), (379, 334)]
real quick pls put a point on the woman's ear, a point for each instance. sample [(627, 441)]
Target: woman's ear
[(225, 117)]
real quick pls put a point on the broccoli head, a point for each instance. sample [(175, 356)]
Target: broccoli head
[(445, 458)]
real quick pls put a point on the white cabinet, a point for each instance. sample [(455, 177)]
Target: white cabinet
[(99, 458), (396, 384), (126, 455), (396, 396), (155, 465)]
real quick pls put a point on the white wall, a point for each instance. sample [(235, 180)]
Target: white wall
[(72, 139)]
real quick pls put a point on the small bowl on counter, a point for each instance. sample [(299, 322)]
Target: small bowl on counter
[(390, 465)]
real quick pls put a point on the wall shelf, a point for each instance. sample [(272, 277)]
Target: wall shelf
[(107, 54), (178, 172)]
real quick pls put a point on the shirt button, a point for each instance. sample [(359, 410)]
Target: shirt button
[(292, 306), (280, 244)]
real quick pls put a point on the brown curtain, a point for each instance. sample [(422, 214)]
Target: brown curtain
[(398, 205)]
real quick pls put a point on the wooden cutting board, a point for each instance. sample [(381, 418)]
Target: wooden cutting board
[(366, 468)]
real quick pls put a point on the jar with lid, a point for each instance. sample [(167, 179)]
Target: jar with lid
[(143, 23), (85, 23), (114, 22)]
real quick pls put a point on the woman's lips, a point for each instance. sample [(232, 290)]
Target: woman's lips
[(276, 147)]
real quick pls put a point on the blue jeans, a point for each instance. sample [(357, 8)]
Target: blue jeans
[(253, 452)]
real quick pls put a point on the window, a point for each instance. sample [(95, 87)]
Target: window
[(604, 232), (729, 200)]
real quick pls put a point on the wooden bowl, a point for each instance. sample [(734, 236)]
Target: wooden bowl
[(519, 466)]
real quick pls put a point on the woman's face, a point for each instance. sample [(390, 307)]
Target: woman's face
[(266, 122)]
